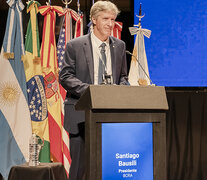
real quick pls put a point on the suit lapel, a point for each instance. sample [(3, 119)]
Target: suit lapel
[(87, 46), (113, 58)]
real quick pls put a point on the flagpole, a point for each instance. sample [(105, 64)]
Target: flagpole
[(78, 5), (78, 9), (66, 2), (139, 26), (136, 76), (48, 3), (140, 16)]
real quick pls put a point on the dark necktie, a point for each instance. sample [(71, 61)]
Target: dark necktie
[(102, 63)]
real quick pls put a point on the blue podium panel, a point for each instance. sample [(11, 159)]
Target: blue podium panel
[(127, 151)]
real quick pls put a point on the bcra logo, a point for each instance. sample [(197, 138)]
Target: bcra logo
[(128, 175)]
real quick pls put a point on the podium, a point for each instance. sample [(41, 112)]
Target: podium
[(123, 104)]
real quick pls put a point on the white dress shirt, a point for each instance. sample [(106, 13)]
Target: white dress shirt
[(97, 55)]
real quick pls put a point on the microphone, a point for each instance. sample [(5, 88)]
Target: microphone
[(106, 78), (141, 67)]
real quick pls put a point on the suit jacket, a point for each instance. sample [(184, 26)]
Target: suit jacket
[(78, 73)]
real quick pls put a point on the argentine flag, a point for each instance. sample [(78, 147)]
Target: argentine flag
[(15, 121)]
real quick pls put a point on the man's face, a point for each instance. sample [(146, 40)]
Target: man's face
[(103, 24)]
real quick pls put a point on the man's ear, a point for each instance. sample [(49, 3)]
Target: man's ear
[(93, 21)]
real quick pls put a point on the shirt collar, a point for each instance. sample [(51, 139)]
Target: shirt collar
[(98, 41)]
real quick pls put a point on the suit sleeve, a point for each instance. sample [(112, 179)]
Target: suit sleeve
[(67, 75)]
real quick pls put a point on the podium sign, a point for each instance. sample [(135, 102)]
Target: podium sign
[(127, 151)]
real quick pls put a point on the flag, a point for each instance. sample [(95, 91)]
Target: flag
[(78, 26), (15, 122), (70, 14), (64, 36), (50, 70), (137, 75), (116, 32), (35, 81), (60, 53)]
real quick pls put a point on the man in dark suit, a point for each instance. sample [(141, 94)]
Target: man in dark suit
[(87, 60)]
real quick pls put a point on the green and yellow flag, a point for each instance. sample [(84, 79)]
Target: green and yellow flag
[(35, 82)]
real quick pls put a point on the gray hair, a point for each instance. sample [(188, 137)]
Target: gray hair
[(100, 6)]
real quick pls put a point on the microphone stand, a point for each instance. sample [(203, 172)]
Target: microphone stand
[(106, 79), (151, 83)]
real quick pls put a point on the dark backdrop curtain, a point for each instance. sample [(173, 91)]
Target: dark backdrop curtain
[(187, 135)]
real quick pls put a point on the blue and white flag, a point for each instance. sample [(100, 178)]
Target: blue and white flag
[(137, 75), (15, 121)]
